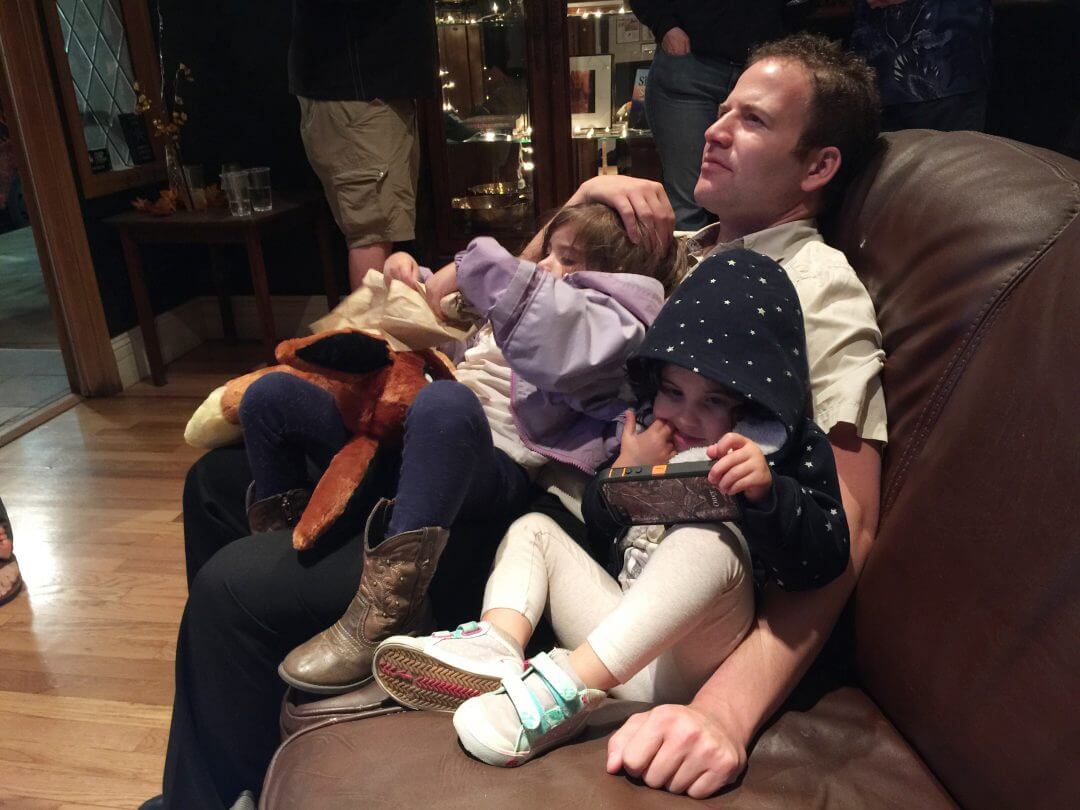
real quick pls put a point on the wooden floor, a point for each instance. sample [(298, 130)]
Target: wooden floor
[(86, 651)]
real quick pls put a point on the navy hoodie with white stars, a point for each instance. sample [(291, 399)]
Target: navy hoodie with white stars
[(736, 320)]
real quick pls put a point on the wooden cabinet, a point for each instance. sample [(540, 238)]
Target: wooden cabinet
[(512, 134)]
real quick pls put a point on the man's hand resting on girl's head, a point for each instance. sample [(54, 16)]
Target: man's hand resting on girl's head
[(654, 445), (401, 267), (636, 200), (741, 467)]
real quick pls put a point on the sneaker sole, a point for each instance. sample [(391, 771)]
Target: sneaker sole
[(419, 681)]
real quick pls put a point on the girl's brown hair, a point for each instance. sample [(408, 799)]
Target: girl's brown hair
[(606, 247)]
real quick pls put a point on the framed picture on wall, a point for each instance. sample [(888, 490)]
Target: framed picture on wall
[(590, 92)]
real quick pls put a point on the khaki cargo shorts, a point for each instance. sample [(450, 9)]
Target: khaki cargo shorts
[(367, 156)]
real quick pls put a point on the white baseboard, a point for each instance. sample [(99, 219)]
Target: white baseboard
[(187, 326)]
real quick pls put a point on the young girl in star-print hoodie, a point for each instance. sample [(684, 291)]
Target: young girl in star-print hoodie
[(721, 374)]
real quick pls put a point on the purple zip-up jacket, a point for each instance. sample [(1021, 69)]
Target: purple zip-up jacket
[(566, 341)]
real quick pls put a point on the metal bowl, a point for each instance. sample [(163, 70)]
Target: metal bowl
[(493, 210), (501, 188)]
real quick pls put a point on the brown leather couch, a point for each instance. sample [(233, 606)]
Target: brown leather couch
[(966, 619)]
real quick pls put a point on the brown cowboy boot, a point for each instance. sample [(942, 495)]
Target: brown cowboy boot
[(276, 512), (391, 600)]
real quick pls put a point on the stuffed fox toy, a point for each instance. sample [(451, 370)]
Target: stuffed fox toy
[(373, 387)]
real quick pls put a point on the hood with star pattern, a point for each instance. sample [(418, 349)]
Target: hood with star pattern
[(735, 320)]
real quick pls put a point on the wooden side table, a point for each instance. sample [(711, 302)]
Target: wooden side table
[(215, 227)]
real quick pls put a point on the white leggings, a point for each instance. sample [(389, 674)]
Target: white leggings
[(662, 638)]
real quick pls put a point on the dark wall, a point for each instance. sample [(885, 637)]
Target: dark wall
[(1035, 89), (239, 111)]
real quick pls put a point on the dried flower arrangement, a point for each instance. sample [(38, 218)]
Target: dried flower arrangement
[(168, 129)]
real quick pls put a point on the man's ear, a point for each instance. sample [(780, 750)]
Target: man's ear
[(822, 166)]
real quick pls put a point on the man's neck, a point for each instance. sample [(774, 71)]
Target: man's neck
[(730, 231)]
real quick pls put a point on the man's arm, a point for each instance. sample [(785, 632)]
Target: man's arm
[(634, 198), (697, 749)]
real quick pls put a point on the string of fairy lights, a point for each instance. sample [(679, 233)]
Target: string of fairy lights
[(498, 15)]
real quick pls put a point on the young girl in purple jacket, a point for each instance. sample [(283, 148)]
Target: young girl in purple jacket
[(539, 384)]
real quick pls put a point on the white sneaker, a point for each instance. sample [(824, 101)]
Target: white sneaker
[(544, 707), (441, 671)]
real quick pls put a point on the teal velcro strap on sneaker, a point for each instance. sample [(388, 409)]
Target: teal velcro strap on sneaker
[(525, 703), (558, 681), (466, 629)]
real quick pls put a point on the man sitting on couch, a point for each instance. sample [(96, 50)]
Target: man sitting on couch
[(801, 119), (802, 113)]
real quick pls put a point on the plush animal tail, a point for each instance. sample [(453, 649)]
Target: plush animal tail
[(335, 488)]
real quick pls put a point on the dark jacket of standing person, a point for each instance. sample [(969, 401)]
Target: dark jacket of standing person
[(357, 50), (723, 28)]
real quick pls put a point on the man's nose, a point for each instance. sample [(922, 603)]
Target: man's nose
[(719, 132)]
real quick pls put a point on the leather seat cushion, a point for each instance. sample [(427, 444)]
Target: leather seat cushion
[(841, 752)]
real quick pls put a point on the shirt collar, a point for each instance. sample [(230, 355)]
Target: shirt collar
[(779, 243)]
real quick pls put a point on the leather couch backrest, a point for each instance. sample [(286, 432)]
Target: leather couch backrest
[(968, 611)]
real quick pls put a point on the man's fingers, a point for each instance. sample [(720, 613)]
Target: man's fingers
[(627, 212), (664, 765), (709, 782), (639, 750), (690, 770), (617, 742)]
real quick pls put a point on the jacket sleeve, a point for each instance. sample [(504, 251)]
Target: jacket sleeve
[(658, 15), (801, 537), (601, 528), (564, 339)]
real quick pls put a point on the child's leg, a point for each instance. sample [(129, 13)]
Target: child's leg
[(693, 603), (287, 420), (442, 670), (449, 466), (538, 566), (696, 582)]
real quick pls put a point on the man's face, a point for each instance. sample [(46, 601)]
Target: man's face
[(750, 175)]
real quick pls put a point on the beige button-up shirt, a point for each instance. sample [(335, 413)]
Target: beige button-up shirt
[(843, 341)]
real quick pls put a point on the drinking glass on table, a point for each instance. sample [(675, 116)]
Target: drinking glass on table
[(259, 185), (237, 188)]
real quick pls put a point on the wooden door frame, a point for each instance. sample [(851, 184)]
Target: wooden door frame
[(52, 199)]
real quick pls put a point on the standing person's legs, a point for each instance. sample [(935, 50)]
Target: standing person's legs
[(10, 578), (249, 603), (681, 97), (367, 156)]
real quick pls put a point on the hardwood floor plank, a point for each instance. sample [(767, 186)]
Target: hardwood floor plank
[(86, 651)]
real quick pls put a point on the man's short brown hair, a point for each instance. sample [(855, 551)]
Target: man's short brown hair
[(845, 109)]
